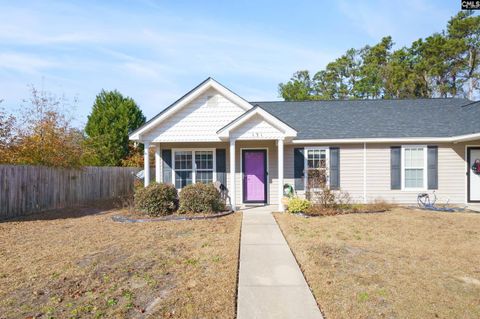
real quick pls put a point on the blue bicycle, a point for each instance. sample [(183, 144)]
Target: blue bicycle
[(425, 202)]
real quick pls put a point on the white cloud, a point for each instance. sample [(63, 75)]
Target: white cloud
[(404, 20), (25, 63), (155, 55)]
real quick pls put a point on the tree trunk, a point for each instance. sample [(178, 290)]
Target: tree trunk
[(471, 85)]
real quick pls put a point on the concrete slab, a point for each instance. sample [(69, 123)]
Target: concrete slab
[(258, 219), (474, 207), (276, 302), (269, 265), (261, 233), (271, 285)]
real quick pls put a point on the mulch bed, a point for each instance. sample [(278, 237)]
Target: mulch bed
[(342, 212), (132, 219)]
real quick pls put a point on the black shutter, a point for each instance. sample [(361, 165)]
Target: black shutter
[(395, 167), (432, 167), (298, 169), (334, 168), (167, 166), (221, 162)]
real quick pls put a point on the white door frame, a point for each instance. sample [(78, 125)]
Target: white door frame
[(268, 174), (467, 168)]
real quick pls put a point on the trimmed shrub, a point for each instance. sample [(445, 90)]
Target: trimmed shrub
[(200, 198), (157, 199), (298, 205)]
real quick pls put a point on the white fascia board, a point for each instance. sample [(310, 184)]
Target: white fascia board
[(272, 120), (452, 139), (466, 138), (235, 98), (211, 83), (373, 140)]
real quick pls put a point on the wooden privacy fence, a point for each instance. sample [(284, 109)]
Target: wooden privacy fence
[(27, 189)]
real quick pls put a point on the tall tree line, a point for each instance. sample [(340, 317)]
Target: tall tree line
[(445, 64)]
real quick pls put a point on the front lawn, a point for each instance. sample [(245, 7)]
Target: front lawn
[(70, 264), (399, 264)]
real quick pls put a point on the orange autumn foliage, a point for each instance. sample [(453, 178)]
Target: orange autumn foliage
[(41, 135)]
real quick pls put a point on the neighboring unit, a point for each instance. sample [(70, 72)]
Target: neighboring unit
[(373, 149)]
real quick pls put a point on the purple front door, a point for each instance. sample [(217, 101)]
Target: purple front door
[(254, 176)]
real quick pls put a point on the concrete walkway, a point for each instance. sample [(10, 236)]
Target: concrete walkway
[(271, 285), (474, 207)]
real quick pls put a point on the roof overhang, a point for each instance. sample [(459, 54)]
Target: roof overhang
[(449, 139), (187, 98), (288, 131)]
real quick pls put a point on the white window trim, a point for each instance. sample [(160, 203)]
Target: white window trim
[(425, 171), (305, 163), (194, 168)]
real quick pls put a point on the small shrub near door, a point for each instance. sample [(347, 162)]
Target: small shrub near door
[(157, 199), (298, 205), (200, 198)]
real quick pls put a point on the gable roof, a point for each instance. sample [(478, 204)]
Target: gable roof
[(185, 99), (439, 119), (402, 118), (257, 110)]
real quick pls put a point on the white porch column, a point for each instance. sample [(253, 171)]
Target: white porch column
[(146, 163), (158, 178), (280, 174), (232, 191)]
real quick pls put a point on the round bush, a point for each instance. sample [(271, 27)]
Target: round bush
[(298, 205), (157, 199), (200, 198)]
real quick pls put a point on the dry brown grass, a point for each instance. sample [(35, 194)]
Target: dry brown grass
[(400, 264), (68, 265), (377, 206)]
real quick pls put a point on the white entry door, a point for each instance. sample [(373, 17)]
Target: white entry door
[(473, 157)]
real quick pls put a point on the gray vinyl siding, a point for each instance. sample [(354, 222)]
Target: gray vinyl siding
[(451, 175), (351, 168), (451, 170)]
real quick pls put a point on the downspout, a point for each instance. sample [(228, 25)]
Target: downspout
[(364, 172)]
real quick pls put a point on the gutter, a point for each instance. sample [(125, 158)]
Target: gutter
[(452, 139)]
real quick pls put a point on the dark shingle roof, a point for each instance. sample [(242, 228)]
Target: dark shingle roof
[(378, 118)]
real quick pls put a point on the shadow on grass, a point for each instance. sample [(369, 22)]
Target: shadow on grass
[(96, 208)]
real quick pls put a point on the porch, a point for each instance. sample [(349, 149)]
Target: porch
[(251, 171)]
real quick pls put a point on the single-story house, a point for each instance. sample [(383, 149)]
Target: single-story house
[(373, 149)]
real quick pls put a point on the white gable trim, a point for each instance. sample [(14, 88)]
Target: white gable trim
[(183, 101), (224, 132)]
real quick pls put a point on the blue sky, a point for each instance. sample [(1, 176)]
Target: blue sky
[(155, 51)]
